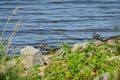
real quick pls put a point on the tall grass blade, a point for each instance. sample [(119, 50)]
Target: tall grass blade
[(8, 20), (14, 31)]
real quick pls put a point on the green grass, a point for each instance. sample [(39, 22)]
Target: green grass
[(81, 65), (84, 64)]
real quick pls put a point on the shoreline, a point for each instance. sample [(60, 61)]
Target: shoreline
[(53, 49), (87, 61)]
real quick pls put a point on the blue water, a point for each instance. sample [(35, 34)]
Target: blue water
[(56, 21)]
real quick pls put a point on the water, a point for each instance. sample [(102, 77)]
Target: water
[(56, 21)]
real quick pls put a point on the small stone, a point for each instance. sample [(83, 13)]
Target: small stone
[(114, 58), (104, 76), (60, 53), (116, 74), (79, 46)]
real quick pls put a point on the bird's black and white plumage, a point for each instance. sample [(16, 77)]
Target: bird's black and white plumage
[(96, 36)]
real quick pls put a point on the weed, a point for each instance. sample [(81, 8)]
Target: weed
[(84, 67)]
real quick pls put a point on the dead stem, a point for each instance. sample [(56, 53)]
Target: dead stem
[(13, 33), (8, 20)]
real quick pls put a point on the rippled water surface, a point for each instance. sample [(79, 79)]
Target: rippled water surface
[(56, 21)]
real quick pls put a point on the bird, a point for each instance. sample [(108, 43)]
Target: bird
[(44, 46), (96, 36)]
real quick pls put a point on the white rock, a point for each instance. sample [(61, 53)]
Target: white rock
[(79, 46), (114, 58), (104, 76), (31, 56), (28, 50)]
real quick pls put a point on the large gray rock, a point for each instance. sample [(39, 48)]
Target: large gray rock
[(31, 56)]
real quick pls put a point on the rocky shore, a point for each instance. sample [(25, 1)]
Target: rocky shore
[(66, 59), (33, 56)]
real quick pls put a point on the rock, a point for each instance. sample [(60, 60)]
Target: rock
[(96, 78), (111, 42), (104, 76), (114, 58), (59, 52), (116, 75), (79, 46), (31, 56), (41, 70)]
